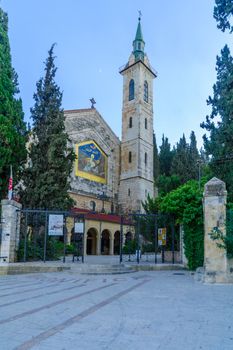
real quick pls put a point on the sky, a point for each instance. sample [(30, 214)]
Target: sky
[(94, 38)]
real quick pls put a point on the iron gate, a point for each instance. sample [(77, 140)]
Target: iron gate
[(50, 235), (152, 238)]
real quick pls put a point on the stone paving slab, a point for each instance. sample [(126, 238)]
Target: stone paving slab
[(159, 310)]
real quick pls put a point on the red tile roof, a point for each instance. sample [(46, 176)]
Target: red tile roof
[(89, 215)]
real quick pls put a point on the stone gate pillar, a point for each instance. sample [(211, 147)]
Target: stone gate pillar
[(10, 230), (214, 203)]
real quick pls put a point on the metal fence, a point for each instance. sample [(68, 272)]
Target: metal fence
[(142, 238), (44, 235), (155, 239)]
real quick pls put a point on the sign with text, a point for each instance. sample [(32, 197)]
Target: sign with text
[(55, 225), (79, 227), (162, 235)]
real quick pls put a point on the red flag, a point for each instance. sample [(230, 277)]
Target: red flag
[(10, 186)]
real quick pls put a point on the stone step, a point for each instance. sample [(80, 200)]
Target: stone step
[(102, 269), (14, 269), (87, 269)]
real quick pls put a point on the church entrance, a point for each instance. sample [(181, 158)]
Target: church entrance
[(117, 243), (91, 242), (105, 242)]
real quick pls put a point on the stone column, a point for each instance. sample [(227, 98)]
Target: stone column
[(98, 242), (214, 202), (111, 238), (10, 230), (98, 238), (85, 243), (182, 254)]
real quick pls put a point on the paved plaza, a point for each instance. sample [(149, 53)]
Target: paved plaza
[(165, 310)]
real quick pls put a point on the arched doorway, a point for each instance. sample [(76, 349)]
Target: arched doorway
[(91, 242), (128, 237), (116, 243), (105, 242)]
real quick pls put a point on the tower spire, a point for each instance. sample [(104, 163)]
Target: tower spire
[(139, 43)]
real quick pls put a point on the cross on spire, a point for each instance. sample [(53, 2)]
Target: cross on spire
[(139, 43), (139, 15)]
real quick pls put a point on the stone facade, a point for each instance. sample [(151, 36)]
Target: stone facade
[(87, 125)]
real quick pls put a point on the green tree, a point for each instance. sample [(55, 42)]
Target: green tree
[(151, 205), (185, 203), (46, 179), (219, 143), (185, 160), (181, 160), (193, 146), (165, 157), (223, 12), (166, 184), (194, 156), (12, 126)]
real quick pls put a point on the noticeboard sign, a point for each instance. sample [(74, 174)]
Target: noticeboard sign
[(162, 235), (55, 225), (79, 227)]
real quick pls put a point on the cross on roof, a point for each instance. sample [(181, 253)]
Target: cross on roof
[(92, 102)]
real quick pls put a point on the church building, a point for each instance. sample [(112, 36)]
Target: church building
[(113, 176)]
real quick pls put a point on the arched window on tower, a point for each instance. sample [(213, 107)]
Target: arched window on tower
[(145, 91), (145, 158), (130, 122), (131, 90), (145, 123), (130, 157)]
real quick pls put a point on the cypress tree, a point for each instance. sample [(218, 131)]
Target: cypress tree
[(165, 157), (12, 126), (193, 146), (181, 160), (166, 182), (194, 157), (186, 157), (219, 144), (51, 160)]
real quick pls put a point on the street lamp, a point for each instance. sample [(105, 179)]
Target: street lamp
[(103, 197)]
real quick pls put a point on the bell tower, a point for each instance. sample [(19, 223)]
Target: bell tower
[(136, 177)]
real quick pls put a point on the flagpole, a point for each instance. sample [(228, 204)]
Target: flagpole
[(10, 185)]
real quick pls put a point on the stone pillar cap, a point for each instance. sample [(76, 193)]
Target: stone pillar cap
[(11, 202), (215, 187)]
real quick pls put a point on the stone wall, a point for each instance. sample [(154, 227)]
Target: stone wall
[(133, 191), (85, 202)]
